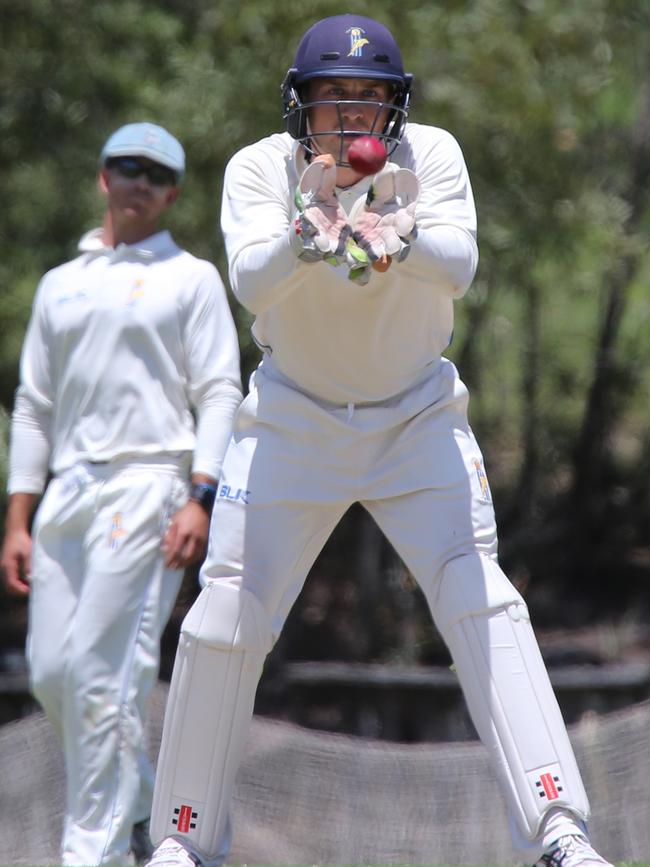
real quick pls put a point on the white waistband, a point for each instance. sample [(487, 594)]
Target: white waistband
[(167, 463)]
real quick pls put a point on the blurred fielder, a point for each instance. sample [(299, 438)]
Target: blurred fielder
[(124, 344), (352, 281)]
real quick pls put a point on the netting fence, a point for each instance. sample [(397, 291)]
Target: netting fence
[(306, 797)]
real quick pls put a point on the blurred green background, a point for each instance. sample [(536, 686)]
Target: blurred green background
[(550, 102)]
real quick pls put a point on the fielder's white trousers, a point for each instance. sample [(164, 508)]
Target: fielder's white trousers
[(100, 598), (295, 465)]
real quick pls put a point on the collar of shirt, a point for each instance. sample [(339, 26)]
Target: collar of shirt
[(149, 248)]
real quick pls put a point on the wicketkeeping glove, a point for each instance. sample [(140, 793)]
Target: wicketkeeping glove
[(322, 228), (383, 222)]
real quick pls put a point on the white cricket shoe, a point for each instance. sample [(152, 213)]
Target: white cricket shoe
[(574, 850), (171, 853)]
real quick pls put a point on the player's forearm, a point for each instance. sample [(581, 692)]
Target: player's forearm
[(257, 224), (19, 512), (29, 454), (214, 426), (262, 275), (447, 256)]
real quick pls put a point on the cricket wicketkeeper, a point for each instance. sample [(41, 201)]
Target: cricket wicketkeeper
[(352, 278)]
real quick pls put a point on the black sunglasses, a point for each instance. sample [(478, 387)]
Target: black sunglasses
[(131, 167)]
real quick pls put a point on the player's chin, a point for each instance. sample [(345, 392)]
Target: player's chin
[(145, 214), (134, 211)]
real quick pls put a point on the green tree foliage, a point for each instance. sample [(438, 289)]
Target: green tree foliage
[(550, 102)]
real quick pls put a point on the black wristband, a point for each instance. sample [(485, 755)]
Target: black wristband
[(204, 494)]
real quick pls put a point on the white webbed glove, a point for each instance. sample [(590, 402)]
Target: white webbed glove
[(321, 228), (383, 222)]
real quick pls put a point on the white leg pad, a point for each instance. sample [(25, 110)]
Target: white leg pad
[(486, 626), (224, 639)]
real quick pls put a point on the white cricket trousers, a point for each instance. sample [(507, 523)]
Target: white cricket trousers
[(295, 465), (100, 598)]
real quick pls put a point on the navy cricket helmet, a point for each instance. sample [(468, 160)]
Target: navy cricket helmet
[(346, 46)]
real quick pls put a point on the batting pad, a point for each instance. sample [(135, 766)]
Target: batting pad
[(486, 626), (224, 639)]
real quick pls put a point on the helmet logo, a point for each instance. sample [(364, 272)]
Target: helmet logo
[(357, 41)]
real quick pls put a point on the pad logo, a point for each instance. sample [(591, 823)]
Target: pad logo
[(357, 41), (548, 786), (184, 818)]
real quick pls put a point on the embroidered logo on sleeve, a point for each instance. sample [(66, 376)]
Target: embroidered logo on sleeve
[(72, 297)]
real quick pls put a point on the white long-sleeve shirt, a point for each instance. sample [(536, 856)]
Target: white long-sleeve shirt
[(124, 347), (337, 340)]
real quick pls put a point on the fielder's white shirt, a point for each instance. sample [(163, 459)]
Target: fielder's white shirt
[(337, 340), (122, 346)]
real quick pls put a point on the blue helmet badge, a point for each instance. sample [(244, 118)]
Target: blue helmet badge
[(357, 41)]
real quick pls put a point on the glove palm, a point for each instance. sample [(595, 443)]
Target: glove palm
[(321, 225), (383, 221)]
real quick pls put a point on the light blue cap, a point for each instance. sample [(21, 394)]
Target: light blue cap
[(146, 140)]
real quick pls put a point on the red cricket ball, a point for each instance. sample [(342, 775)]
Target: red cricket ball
[(367, 155)]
